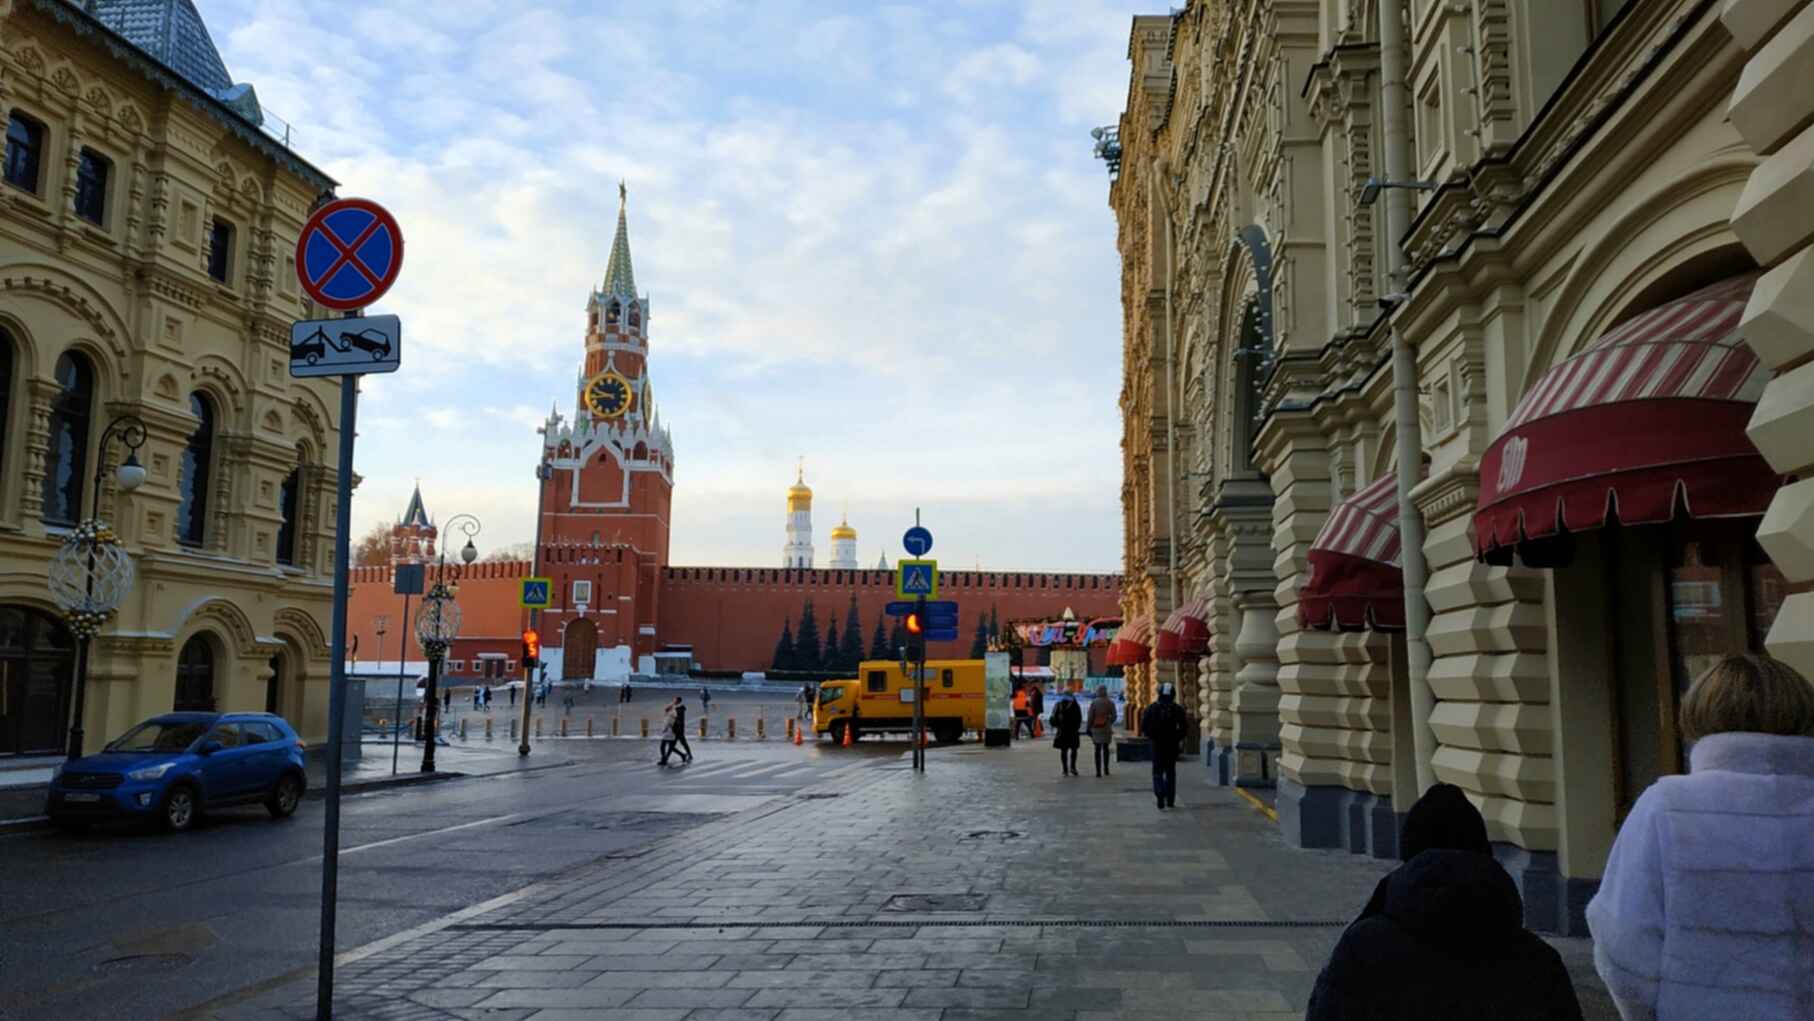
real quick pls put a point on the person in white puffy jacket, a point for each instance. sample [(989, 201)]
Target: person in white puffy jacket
[(1707, 906)]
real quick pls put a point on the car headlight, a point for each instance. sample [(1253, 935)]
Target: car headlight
[(151, 772)]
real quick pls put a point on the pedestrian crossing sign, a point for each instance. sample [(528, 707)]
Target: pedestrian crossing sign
[(535, 593), (915, 578)]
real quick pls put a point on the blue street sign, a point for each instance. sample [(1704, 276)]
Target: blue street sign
[(348, 254), (948, 634), (941, 621), (535, 593), (934, 608), (917, 542), (406, 579), (916, 578)]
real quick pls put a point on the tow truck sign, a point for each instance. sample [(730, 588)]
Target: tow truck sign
[(346, 347)]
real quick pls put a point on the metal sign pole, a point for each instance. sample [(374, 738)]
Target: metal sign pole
[(402, 650), (330, 835), (919, 692), (542, 473)]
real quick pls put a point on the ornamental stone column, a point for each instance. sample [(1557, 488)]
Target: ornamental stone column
[(1255, 705)]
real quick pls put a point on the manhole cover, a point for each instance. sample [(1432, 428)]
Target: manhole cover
[(994, 835), (935, 902), (143, 962)]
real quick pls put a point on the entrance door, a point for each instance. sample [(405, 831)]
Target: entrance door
[(579, 648), (37, 665), (274, 688)]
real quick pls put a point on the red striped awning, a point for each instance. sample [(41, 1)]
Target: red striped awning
[(1355, 581), (1185, 633), (1651, 416), (1132, 645)]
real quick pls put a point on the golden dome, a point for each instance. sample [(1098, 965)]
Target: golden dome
[(844, 531), (800, 495)]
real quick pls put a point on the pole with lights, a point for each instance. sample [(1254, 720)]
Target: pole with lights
[(437, 625), (91, 575)]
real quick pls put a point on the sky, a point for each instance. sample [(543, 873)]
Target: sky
[(872, 235)]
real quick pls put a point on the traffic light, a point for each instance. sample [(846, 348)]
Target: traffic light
[(914, 627), (532, 647)]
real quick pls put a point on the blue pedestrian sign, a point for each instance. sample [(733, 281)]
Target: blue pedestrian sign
[(917, 542), (916, 578), (935, 610), (535, 593)]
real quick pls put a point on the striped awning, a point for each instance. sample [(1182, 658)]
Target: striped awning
[(1185, 633), (1355, 581), (1650, 418), (1134, 643)]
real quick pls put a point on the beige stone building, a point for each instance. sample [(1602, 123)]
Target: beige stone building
[(1606, 310), (147, 234)]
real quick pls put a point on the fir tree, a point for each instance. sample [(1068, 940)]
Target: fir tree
[(979, 646), (806, 641), (897, 640), (829, 660), (878, 646), (784, 649), (850, 650)]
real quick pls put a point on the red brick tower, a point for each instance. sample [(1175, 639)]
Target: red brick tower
[(413, 536), (606, 506)]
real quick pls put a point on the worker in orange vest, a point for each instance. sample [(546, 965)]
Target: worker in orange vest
[(1023, 714)]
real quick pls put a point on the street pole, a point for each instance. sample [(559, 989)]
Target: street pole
[(542, 473), (131, 432), (919, 690), (330, 834), (402, 648)]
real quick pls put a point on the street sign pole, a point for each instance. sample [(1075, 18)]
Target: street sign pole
[(919, 692), (330, 835), (402, 657), (542, 472)]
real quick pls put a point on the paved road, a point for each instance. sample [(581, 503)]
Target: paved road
[(601, 705), (134, 925)]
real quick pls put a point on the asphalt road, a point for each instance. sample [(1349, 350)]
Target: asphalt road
[(646, 703), (125, 924)]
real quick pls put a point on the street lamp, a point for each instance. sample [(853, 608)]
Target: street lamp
[(437, 625), (91, 575)]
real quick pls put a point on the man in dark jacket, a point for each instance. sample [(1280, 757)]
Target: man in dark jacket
[(1163, 725), (1067, 723), (1443, 935)]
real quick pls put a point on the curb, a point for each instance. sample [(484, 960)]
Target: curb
[(316, 793)]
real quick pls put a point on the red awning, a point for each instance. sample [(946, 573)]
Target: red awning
[(1356, 582), (1651, 416), (1185, 633), (1131, 645)]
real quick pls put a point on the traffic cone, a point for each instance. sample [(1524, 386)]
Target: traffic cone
[(847, 736), (796, 728)]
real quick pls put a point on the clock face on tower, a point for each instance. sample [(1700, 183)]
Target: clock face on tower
[(608, 395)]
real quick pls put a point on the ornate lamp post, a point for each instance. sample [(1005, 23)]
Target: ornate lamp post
[(437, 625), (91, 575)]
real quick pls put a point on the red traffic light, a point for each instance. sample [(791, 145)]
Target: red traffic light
[(532, 644), (914, 626)]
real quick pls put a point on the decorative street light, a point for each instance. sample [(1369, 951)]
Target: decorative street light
[(437, 625), (91, 575)]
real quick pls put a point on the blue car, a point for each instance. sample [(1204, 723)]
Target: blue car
[(171, 768)]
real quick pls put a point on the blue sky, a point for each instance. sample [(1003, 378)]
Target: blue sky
[(873, 235)]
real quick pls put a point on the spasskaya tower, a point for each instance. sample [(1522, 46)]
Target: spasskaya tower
[(605, 506)]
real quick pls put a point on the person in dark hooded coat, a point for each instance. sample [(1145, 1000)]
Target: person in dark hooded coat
[(1443, 935), (1067, 723)]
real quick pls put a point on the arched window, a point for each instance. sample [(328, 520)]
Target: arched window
[(611, 311), (289, 498), (192, 483), (635, 316), (6, 391), (66, 460), (195, 676)]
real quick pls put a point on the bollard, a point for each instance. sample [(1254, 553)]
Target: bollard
[(538, 726), (462, 728), (730, 728), (790, 728), (563, 725), (487, 728), (614, 722), (645, 726), (513, 728), (588, 726), (702, 728), (760, 732)]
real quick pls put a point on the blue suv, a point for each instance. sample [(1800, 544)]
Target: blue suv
[(170, 768)]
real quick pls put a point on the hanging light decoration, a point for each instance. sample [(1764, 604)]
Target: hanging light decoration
[(90, 577)]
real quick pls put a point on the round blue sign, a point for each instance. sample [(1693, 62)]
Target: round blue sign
[(348, 254), (917, 542)]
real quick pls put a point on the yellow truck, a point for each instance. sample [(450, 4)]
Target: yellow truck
[(880, 700)]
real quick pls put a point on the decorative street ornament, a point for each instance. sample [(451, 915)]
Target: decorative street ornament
[(438, 622), (90, 577)]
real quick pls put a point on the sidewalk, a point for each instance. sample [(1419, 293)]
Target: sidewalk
[(988, 888)]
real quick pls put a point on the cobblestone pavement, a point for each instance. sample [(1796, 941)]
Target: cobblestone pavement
[(990, 887)]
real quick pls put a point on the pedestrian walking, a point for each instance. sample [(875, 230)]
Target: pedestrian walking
[(488, 698), (478, 699), (804, 700), (1443, 935), (447, 701), (680, 729), (705, 700), (541, 695), (1704, 908), (1067, 724), (1163, 724), (1021, 711), (629, 692), (1102, 728), (512, 687), (667, 735)]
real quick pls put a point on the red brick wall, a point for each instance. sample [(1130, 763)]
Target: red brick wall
[(732, 616)]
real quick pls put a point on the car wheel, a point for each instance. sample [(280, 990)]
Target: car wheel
[(285, 797), (837, 732), (313, 358), (947, 733), (180, 809)]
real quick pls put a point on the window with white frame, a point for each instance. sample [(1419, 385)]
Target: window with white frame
[(582, 593), (456, 666)]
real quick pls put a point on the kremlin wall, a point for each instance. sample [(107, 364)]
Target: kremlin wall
[(604, 505)]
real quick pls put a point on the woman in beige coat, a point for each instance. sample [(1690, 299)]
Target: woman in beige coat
[(1101, 723)]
